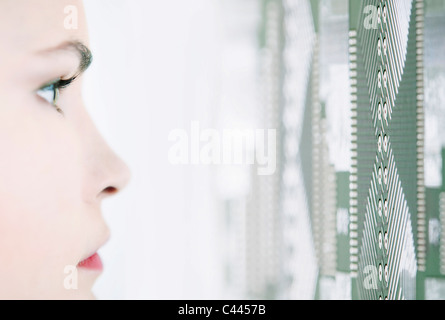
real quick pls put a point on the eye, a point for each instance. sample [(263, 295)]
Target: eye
[(50, 92)]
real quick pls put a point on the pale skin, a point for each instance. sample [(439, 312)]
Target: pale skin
[(55, 168)]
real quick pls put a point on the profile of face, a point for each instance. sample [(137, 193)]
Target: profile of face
[(55, 168)]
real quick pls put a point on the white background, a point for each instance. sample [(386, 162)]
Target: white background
[(157, 66)]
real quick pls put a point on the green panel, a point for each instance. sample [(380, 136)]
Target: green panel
[(315, 4), (433, 218), (354, 13)]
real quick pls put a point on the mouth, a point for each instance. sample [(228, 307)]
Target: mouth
[(93, 263)]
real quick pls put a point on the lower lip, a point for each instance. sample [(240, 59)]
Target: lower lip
[(92, 263)]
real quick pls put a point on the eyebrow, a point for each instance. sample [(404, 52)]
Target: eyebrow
[(84, 54)]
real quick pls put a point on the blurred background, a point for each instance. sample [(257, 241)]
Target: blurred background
[(158, 66), (223, 231)]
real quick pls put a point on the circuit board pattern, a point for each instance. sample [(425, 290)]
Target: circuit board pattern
[(366, 227), (386, 198)]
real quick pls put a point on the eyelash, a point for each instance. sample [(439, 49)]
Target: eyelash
[(56, 88)]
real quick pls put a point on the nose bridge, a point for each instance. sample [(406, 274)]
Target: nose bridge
[(106, 172)]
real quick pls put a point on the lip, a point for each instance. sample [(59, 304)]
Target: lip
[(93, 262)]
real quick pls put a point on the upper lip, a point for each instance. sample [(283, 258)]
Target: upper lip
[(96, 248)]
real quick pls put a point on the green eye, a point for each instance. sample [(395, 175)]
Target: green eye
[(49, 93)]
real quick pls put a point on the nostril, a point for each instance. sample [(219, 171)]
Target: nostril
[(110, 190)]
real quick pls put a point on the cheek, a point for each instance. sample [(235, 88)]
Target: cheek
[(41, 204)]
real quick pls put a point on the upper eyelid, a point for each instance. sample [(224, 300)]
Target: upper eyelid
[(59, 83), (62, 83)]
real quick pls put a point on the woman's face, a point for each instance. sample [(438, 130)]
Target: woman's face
[(55, 169)]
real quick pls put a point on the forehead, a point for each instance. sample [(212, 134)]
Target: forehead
[(31, 26)]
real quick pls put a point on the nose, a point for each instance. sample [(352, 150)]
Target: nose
[(106, 173), (115, 174)]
